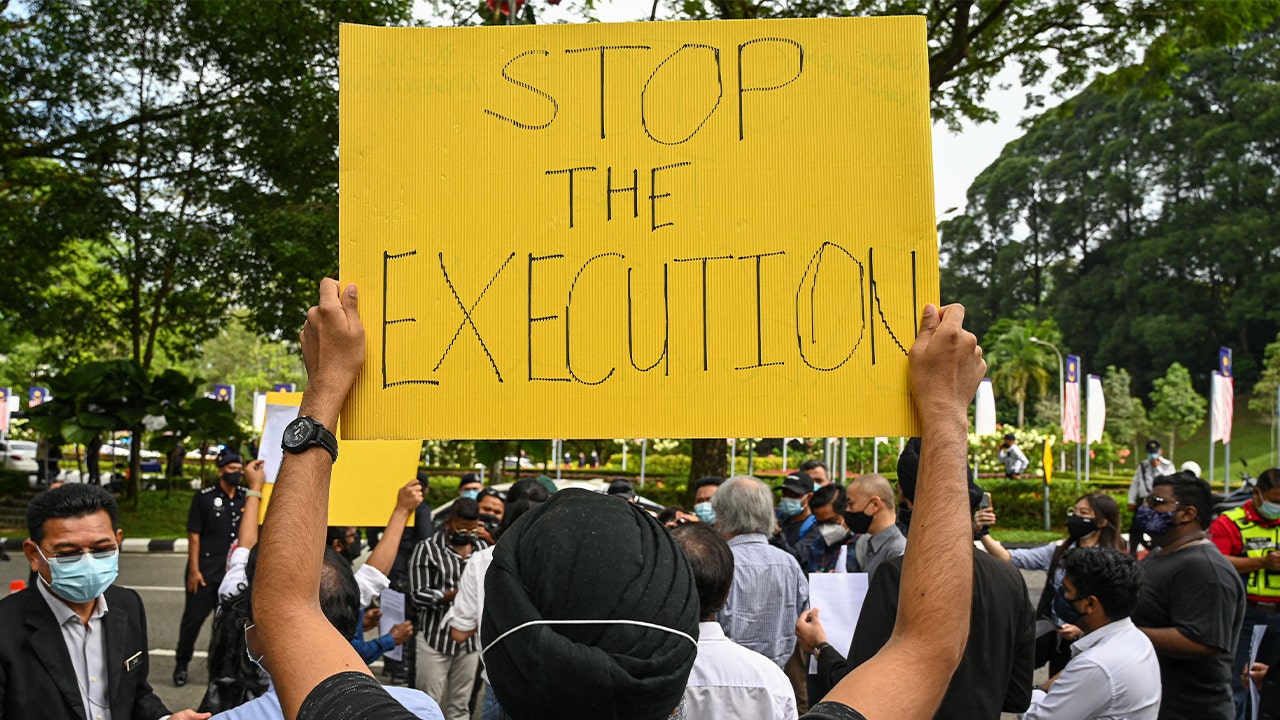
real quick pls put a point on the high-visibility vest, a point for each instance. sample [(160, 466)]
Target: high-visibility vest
[(1258, 542)]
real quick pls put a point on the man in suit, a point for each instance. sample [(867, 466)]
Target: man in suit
[(73, 647)]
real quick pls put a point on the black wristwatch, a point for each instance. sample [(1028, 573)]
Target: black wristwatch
[(304, 433)]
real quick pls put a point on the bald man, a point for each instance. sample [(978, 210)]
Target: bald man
[(873, 511)]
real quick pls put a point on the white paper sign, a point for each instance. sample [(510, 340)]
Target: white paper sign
[(392, 603), (838, 598), (278, 416), (1258, 632)]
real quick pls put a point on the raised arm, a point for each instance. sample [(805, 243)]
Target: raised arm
[(256, 477), (407, 500), (932, 624), (302, 648)]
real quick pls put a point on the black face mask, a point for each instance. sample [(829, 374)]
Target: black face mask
[(1065, 609), (352, 550), (459, 539), (232, 478), (1080, 527), (858, 522), (904, 517)]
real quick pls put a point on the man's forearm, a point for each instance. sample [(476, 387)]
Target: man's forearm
[(1170, 642), (384, 555), (938, 567)]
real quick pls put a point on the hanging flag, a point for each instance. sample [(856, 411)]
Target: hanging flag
[(259, 411), (284, 387), (1223, 393), (984, 414), (1224, 361), (1097, 409), (4, 408), (1071, 401), (37, 396), (225, 393), (1047, 460)]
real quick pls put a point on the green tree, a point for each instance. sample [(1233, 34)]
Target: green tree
[(1176, 407), (1016, 364), (1263, 399), (1126, 415)]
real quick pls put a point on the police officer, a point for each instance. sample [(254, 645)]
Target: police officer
[(1249, 537), (212, 525)]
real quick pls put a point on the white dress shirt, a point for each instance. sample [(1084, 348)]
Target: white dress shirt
[(730, 681), (87, 646), (369, 579), (1113, 675)]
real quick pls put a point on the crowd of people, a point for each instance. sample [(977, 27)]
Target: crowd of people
[(537, 603)]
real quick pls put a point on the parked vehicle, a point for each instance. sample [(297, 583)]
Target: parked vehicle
[(18, 456)]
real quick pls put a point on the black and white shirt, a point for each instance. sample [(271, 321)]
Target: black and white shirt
[(435, 569)]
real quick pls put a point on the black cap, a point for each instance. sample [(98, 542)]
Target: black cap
[(1153, 445), (622, 487), (798, 483), (470, 479), (228, 456)]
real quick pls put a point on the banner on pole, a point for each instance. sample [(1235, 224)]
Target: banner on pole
[(5, 393), (1097, 409), (984, 413), (37, 395), (1071, 401), (1223, 407), (656, 229), (225, 393)]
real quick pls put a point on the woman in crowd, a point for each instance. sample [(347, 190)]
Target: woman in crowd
[(1094, 521)]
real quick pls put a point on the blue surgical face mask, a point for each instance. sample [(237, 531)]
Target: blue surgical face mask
[(255, 660), (1269, 510), (705, 512), (82, 578), (791, 507), (817, 487), (471, 494), (1153, 456)]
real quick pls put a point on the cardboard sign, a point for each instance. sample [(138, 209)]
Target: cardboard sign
[(366, 478), (644, 229)]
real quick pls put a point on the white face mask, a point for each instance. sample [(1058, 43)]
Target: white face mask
[(531, 623), (833, 533)]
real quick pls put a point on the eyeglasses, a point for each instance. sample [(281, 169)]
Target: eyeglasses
[(75, 557), (1154, 500)]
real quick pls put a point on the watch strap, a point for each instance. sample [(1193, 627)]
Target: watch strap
[(253, 494)]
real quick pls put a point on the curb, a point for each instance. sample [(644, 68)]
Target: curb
[(130, 545)]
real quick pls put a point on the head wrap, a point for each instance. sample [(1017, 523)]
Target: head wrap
[(586, 556), (909, 471)]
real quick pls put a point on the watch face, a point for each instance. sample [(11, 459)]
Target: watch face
[(297, 432)]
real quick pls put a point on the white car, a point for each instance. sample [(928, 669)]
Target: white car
[(18, 456)]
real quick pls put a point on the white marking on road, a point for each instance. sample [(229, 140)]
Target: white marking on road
[(166, 652), (155, 588)]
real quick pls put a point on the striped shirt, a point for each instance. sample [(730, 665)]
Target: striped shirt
[(434, 570), (769, 592)]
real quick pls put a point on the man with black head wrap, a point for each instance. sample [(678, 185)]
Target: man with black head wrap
[(591, 613)]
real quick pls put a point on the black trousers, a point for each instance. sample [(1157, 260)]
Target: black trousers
[(197, 608)]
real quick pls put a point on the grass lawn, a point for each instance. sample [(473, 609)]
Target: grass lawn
[(157, 516), (1251, 439)]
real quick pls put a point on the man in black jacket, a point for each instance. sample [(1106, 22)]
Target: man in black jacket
[(74, 645), (995, 673)]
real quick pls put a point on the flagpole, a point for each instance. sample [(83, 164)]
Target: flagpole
[(1080, 429)]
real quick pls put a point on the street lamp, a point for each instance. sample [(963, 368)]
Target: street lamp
[(1062, 400)]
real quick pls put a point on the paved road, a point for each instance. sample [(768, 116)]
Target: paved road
[(158, 579)]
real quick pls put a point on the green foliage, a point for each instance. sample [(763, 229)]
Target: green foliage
[(1264, 391), (1126, 416), (1015, 363), (1177, 409), (1062, 41), (1140, 215)]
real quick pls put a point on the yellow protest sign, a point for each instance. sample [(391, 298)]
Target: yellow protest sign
[(637, 230), (366, 478)]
